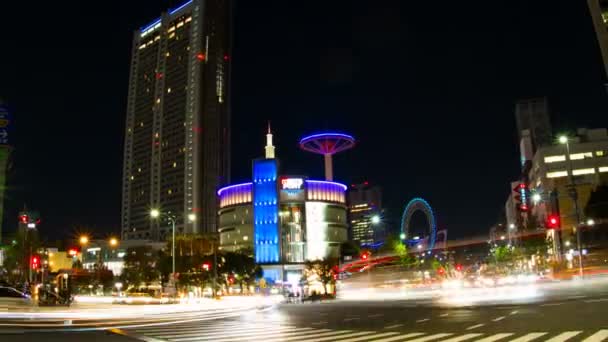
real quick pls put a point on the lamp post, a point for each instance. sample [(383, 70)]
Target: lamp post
[(574, 196), (155, 213)]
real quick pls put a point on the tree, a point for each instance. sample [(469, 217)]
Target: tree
[(243, 267), (140, 267), (597, 206), (323, 269)]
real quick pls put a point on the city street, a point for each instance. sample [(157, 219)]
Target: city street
[(573, 316)]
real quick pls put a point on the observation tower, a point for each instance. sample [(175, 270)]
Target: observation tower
[(327, 144)]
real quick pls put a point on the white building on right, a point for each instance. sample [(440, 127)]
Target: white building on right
[(549, 174)]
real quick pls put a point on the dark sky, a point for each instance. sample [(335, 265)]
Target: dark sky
[(426, 87)]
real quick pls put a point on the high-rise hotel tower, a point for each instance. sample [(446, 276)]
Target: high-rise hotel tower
[(177, 138)]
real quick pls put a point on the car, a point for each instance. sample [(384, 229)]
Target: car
[(10, 297)]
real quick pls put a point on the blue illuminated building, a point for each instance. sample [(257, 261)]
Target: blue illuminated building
[(266, 211)]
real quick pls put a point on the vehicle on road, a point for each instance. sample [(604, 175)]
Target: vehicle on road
[(11, 297)]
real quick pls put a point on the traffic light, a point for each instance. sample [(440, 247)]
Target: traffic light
[(206, 266), (458, 267), (72, 252), (365, 255), (23, 219), (35, 262), (553, 221)]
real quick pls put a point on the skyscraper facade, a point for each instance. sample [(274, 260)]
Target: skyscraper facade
[(177, 138), (365, 203), (533, 115), (599, 13)]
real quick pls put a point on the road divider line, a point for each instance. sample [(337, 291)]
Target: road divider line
[(462, 338), (596, 300), (497, 319), (514, 312), (475, 326), (495, 337), (351, 319), (431, 337), (375, 315), (397, 338), (423, 320), (393, 326), (598, 336), (564, 336), (444, 315), (552, 304), (529, 337), (179, 336)]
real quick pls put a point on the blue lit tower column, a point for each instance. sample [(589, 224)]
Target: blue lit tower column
[(266, 232)]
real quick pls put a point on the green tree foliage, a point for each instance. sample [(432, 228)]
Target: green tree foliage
[(323, 269), (140, 267), (502, 254), (597, 206), (242, 266)]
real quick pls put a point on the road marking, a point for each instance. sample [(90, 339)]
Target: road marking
[(430, 338), (366, 338), (333, 338), (552, 304), (577, 297), (179, 334), (529, 337), (499, 318), (564, 336), (423, 320), (596, 300), (398, 338), (514, 312), (375, 315), (331, 334), (495, 337), (254, 336), (462, 338), (475, 326), (351, 319), (444, 315), (320, 322), (598, 336), (393, 326)]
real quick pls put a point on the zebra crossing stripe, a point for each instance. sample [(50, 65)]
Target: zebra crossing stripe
[(266, 334), (202, 333), (398, 338), (331, 338), (564, 336), (598, 336), (430, 338), (495, 337), (366, 338), (462, 338), (529, 337), (333, 333)]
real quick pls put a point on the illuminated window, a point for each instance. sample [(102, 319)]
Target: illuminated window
[(158, 100), (578, 156), (553, 159), (141, 124), (168, 54), (171, 35), (132, 177), (169, 90), (171, 29), (603, 169), (557, 174), (139, 169), (599, 153), (189, 19), (180, 24), (174, 164), (583, 172), (169, 191)]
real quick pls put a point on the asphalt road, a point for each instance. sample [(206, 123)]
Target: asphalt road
[(571, 316)]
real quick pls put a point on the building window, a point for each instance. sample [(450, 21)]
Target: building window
[(557, 174), (579, 156), (599, 153), (603, 169), (583, 172), (554, 159)]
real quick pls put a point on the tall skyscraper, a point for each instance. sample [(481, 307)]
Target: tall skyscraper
[(365, 210), (177, 139), (599, 13), (533, 115)]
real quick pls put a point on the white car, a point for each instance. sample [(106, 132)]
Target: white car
[(9, 297)]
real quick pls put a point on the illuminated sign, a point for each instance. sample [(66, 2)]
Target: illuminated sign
[(292, 183)]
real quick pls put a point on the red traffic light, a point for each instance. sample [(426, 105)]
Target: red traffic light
[(72, 252), (34, 262), (23, 219), (459, 267), (441, 270), (206, 266), (365, 255), (553, 221)]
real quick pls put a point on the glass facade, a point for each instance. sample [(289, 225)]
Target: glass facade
[(293, 232)]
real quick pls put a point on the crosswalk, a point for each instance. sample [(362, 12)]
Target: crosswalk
[(219, 331)]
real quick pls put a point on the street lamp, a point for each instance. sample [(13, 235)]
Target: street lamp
[(590, 222), (536, 198), (84, 240), (574, 196), (375, 219), (113, 242), (402, 236)]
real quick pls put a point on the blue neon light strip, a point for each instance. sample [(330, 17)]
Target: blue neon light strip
[(219, 192), (344, 187), (265, 211), (325, 135), (180, 7), (432, 223), (144, 29)]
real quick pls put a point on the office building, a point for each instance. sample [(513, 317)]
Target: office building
[(177, 138), (532, 115), (599, 14), (285, 220), (365, 212)]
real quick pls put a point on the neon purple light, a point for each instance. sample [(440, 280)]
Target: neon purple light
[(344, 187), (219, 192), (327, 135)]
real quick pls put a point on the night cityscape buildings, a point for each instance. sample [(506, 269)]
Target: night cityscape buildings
[(532, 116), (177, 134), (365, 213), (599, 14), (285, 219)]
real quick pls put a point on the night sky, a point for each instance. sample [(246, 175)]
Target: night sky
[(427, 88)]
